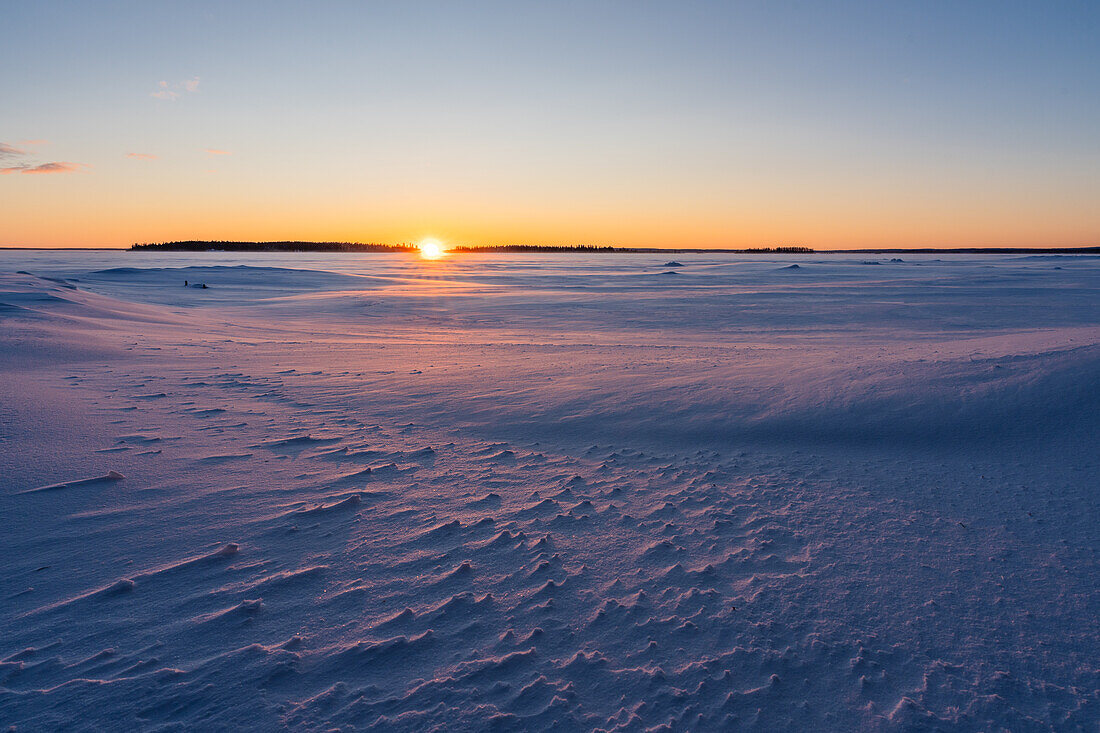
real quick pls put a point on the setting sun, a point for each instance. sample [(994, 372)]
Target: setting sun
[(431, 249)]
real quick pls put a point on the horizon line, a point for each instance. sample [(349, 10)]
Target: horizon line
[(608, 249)]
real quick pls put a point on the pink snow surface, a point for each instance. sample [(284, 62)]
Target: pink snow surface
[(549, 492)]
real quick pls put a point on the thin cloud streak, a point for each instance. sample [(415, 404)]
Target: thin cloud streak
[(172, 92), (215, 151), (61, 166), (10, 151), (141, 156)]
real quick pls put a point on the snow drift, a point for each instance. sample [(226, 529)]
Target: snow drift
[(369, 492)]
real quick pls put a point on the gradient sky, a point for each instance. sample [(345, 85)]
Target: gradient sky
[(716, 124)]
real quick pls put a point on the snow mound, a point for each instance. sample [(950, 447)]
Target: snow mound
[(862, 498)]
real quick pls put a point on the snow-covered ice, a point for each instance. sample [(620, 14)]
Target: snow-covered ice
[(541, 492)]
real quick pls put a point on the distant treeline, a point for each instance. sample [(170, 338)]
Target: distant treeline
[(978, 250), (536, 248), (224, 246), (201, 246), (594, 248), (788, 250), (205, 246)]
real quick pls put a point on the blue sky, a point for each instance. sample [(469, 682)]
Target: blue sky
[(651, 124)]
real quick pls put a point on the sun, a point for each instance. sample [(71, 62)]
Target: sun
[(430, 249)]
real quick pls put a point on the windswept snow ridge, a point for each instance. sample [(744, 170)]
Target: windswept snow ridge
[(372, 493)]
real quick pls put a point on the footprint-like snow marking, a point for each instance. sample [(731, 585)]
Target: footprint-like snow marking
[(219, 458), (296, 445), (109, 477)]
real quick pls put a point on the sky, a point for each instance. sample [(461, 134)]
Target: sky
[(677, 124)]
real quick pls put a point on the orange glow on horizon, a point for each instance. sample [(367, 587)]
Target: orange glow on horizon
[(65, 211)]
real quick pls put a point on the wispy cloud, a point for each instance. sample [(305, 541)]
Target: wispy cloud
[(164, 92), (175, 90), (141, 156), (10, 154), (10, 151), (60, 166), (215, 151), (57, 167)]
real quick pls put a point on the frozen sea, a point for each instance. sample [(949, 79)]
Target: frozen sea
[(549, 492)]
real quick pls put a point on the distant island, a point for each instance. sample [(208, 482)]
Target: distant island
[(975, 251), (536, 248), (225, 246), (593, 248), (220, 246)]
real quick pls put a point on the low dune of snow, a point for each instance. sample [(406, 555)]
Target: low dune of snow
[(522, 492)]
